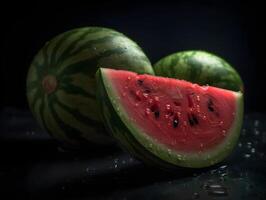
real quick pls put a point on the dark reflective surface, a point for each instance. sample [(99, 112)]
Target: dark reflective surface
[(34, 166)]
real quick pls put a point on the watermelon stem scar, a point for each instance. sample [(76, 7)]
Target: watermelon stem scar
[(176, 123), (49, 84)]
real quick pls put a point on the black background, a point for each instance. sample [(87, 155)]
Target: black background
[(233, 30), (230, 29)]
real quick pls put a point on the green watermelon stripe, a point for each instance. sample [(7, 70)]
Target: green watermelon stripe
[(91, 43), (40, 68), (42, 117), (77, 115), (45, 56), (75, 58), (32, 85), (69, 41), (72, 44), (49, 121), (71, 133), (59, 40), (36, 97), (38, 107), (82, 66), (72, 89)]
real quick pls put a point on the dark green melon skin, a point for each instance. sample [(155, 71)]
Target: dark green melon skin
[(200, 67), (70, 113)]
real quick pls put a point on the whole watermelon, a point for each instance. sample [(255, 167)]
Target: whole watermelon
[(61, 82), (200, 67)]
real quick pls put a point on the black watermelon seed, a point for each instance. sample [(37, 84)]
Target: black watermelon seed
[(210, 106), (147, 91), (157, 114), (175, 122), (140, 82), (195, 119), (191, 122), (192, 119)]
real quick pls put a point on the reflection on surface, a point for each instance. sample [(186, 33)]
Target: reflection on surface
[(34, 165)]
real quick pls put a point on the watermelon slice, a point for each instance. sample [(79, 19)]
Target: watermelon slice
[(170, 122)]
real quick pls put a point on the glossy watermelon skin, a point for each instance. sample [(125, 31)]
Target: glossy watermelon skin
[(200, 67), (122, 127), (61, 87)]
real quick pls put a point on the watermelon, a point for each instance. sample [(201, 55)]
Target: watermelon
[(200, 67), (61, 80), (168, 122)]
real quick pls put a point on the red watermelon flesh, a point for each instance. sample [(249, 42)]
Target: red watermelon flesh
[(180, 115)]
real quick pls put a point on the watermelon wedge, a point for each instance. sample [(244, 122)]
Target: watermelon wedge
[(169, 122)]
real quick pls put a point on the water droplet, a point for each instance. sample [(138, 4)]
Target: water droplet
[(168, 107), (252, 150), (224, 132), (150, 145), (123, 162), (256, 132), (195, 195), (216, 190), (233, 113), (169, 151), (218, 193), (156, 98), (247, 155), (128, 78), (94, 48), (136, 104), (223, 174), (249, 144), (201, 145), (138, 93), (145, 95), (115, 165), (198, 98), (221, 123), (116, 160), (223, 167), (240, 144), (256, 123), (123, 94), (204, 117), (147, 111)]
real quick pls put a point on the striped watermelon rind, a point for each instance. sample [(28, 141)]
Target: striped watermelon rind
[(200, 67), (132, 139), (61, 87)]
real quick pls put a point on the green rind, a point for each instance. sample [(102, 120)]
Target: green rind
[(134, 140), (73, 58), (200, 67)]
